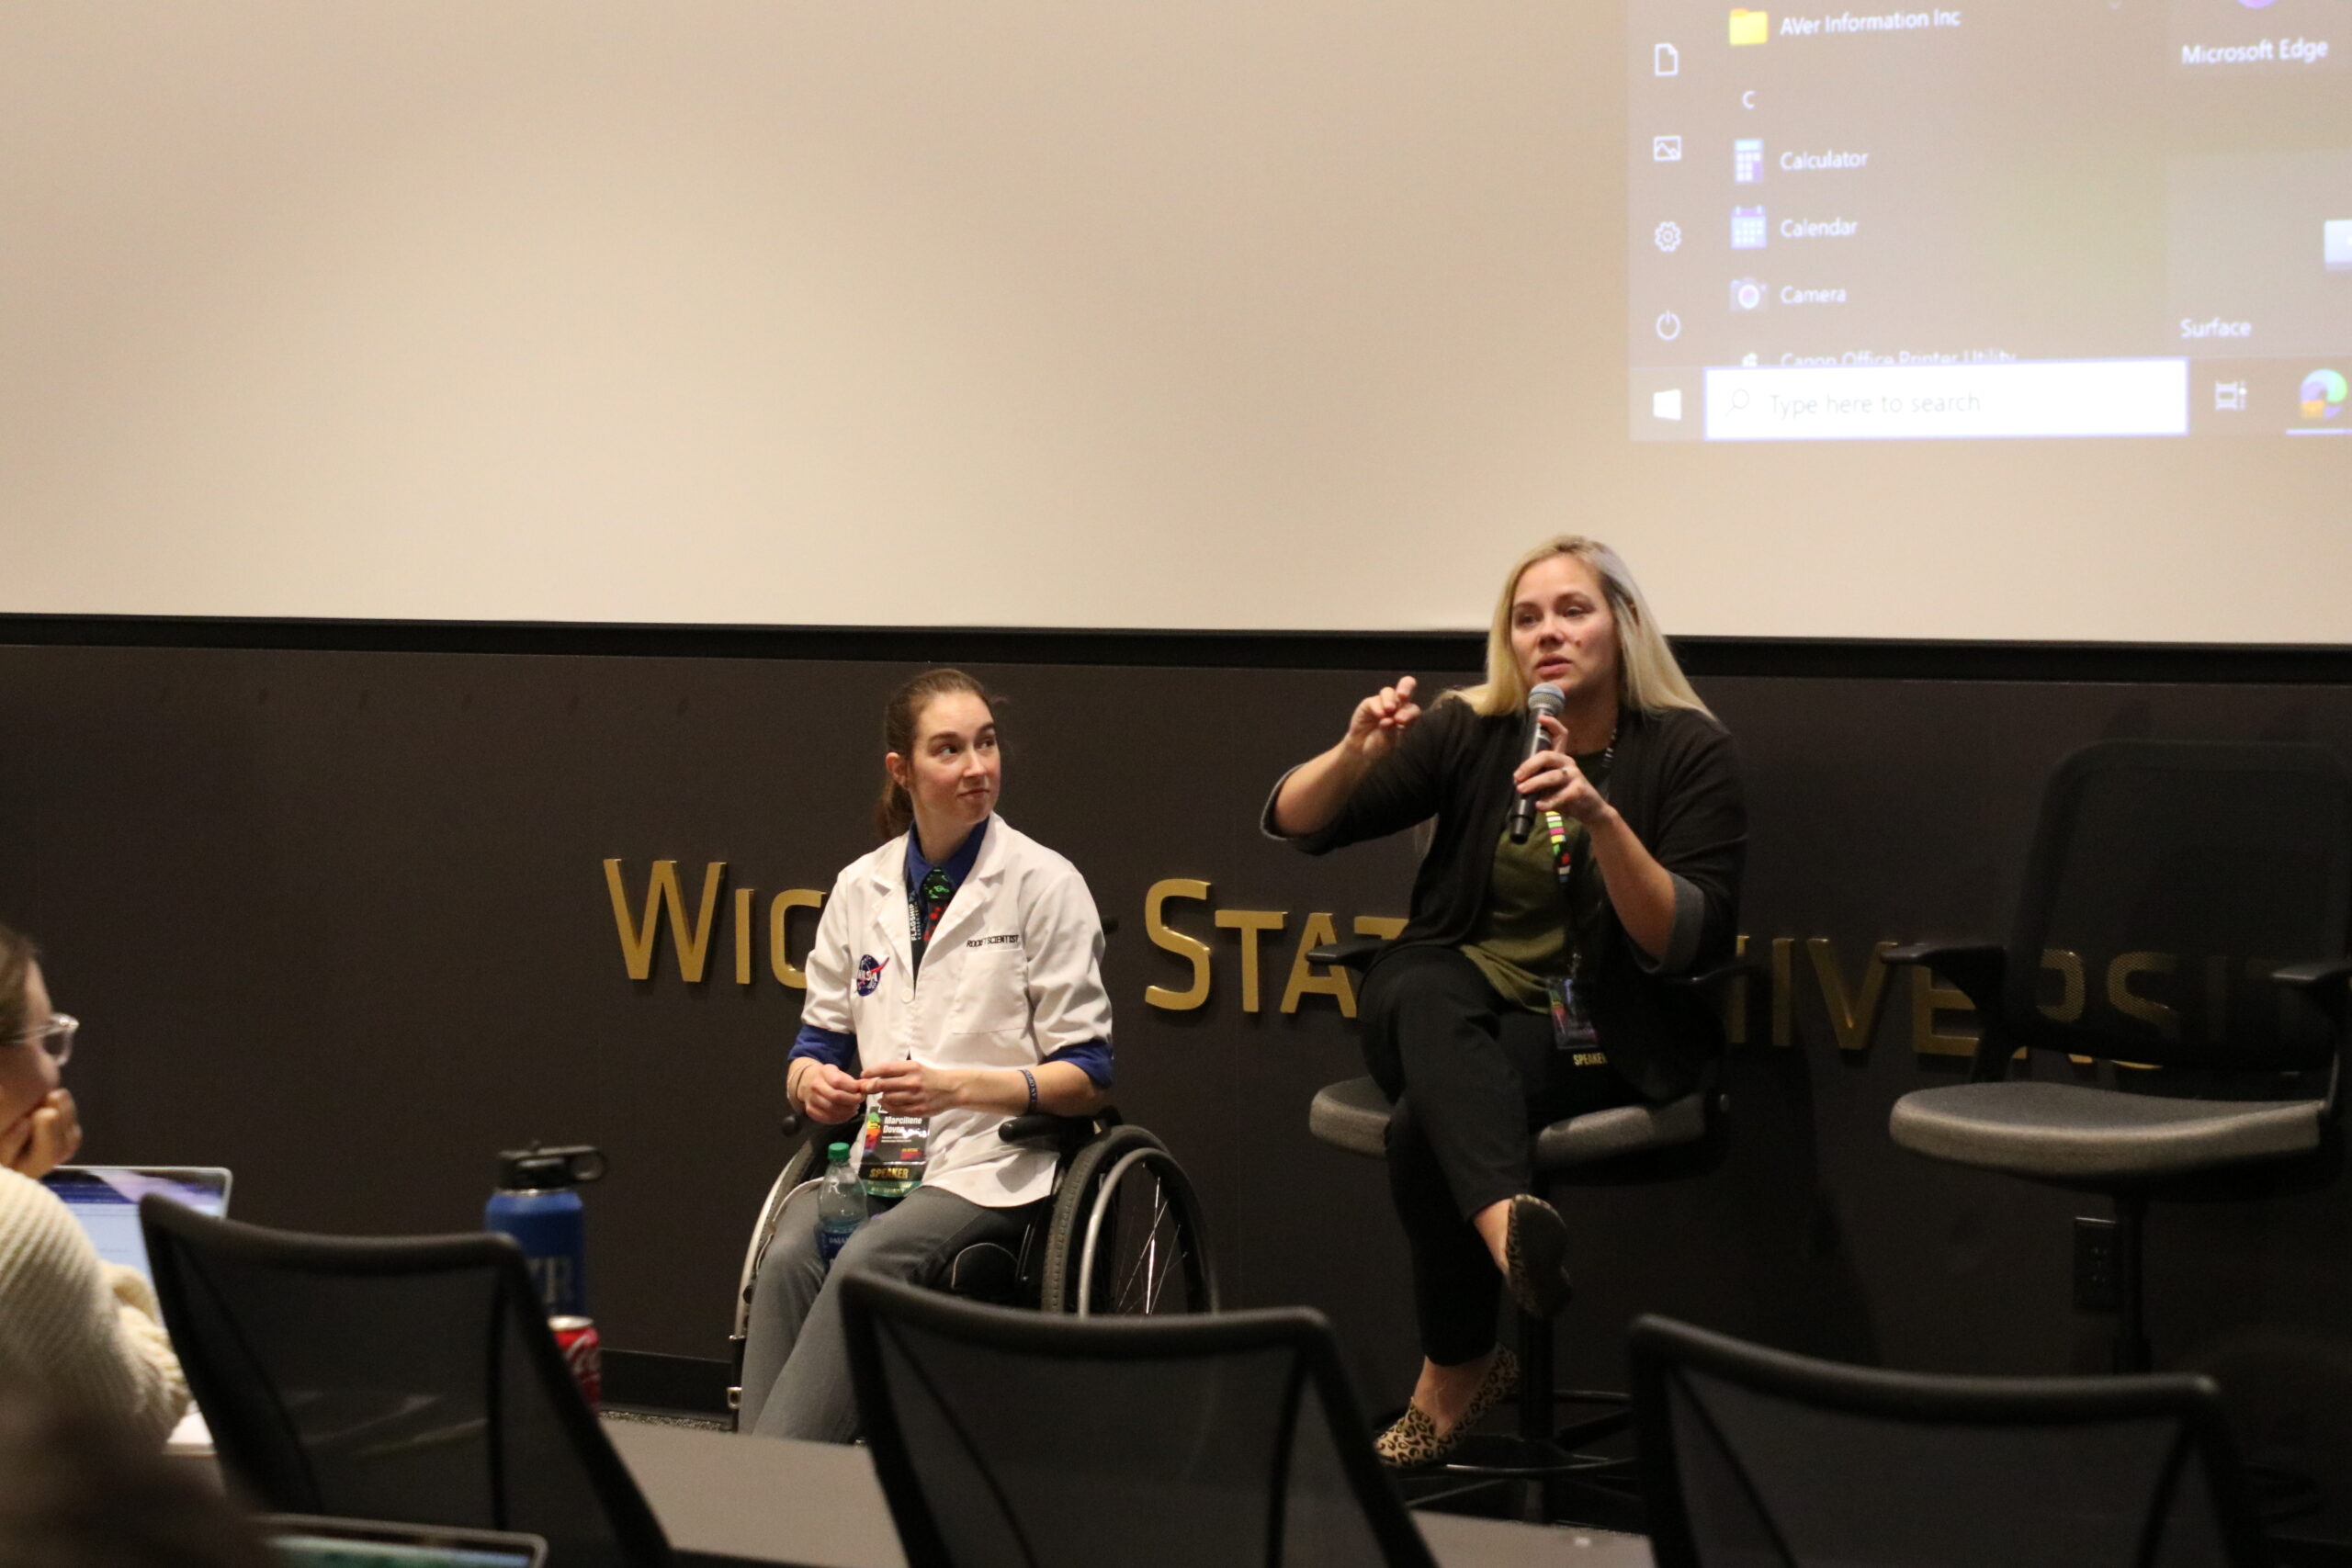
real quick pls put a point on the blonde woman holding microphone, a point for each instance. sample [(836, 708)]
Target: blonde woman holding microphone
[(1532, 980)]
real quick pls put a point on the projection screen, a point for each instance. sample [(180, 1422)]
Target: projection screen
[(2017, 319)]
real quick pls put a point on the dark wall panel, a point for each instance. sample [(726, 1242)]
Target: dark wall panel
[(341, 921)]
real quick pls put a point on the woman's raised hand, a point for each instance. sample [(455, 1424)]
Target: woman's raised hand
[(1311, 795), (1380, 719)]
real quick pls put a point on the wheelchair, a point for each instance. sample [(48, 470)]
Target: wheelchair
[(1121, 1237)]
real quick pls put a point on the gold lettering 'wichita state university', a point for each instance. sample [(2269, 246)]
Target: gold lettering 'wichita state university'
[(1821, 998)]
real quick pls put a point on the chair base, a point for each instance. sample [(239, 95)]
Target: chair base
[(1530, 1487), (1547, 1479), (1540, 1465)]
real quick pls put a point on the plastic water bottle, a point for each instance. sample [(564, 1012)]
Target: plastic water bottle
[(841, 1205)]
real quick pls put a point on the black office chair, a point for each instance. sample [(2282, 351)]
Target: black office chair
[(2188, 907), (1753, 1457), (411, 1380), (1016, 1439), (1624, 1143)]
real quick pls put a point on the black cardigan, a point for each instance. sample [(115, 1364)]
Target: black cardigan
[(1675, 780)]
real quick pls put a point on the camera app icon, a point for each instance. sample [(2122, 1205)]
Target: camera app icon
[(1748, 294)]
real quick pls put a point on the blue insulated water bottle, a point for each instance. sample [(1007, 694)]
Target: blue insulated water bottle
[(537, 1204)]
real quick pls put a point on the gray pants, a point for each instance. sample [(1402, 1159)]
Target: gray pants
[(795, 1359)]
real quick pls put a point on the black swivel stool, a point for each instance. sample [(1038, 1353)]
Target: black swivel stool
[(2192, 904), (1352, 1114), (2193, 901)]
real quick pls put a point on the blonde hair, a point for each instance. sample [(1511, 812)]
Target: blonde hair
[(1648, 678)]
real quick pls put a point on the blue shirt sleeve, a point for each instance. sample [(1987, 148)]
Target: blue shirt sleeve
[(1091, 1057), (828, 1045)]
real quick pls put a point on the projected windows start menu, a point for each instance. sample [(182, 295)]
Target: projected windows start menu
[(1989, 220)]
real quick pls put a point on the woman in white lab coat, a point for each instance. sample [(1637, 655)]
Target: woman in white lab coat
[(956, 982)]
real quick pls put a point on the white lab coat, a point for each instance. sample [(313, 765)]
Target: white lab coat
[(1014, 974)]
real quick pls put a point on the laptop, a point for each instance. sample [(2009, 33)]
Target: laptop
[(300, 1541), (104, 1199)]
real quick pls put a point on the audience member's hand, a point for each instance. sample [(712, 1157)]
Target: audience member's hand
[(909, 1088), (829, 1094), (38, 1143)]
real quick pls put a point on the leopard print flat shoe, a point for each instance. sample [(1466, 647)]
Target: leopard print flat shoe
[(1415, 1441)]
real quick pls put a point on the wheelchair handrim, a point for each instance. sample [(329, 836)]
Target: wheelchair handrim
[(1103, 1196)]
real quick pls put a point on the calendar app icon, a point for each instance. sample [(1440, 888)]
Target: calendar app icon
[(1747, 229)]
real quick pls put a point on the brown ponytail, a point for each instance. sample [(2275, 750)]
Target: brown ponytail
[(894, 812), (17, 956)]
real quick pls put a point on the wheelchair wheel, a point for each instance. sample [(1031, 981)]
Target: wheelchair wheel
[(1126, 1237)]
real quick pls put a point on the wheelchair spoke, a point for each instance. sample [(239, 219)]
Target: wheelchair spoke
[(1167, 1274), (1146, 1256)]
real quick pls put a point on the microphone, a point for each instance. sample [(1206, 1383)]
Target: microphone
[(1545, 699)]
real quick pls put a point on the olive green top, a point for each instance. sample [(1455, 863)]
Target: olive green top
[(1523, 935)]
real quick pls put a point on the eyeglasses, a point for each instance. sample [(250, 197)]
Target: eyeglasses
[(56, 1036)]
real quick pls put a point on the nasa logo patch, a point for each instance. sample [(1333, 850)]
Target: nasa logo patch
[(869, 974)]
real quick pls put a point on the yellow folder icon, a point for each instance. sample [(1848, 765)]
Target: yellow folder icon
[(1750, 27)]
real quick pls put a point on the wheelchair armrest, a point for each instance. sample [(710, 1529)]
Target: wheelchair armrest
[(1976, 969), (1354, 952), (1044, 1127), (792, 1125)]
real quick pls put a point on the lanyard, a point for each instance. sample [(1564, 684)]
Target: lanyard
[(1563, 862), (1562, 858), (897, 1150)]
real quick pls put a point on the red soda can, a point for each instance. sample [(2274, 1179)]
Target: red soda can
[(583, 1352)]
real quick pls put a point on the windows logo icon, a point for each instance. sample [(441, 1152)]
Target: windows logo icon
[(2324, 393)]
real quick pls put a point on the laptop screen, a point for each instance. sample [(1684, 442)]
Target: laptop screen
[(104, 1200)]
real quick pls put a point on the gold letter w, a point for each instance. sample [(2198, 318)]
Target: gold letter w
[(637, 939)]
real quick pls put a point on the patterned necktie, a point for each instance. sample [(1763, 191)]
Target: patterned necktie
[(924, 905), (935, 890)]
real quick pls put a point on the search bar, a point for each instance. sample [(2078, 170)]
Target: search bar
[(1922, 403)]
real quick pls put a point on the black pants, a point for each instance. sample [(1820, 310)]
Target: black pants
[(1472, 1077)]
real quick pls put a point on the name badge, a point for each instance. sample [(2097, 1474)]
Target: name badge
[(1571, 1025), (893, 1153)]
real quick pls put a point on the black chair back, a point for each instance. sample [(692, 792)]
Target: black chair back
[(406, 1380), (1016, 1439), (1753, 1457), (2166, 881)]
